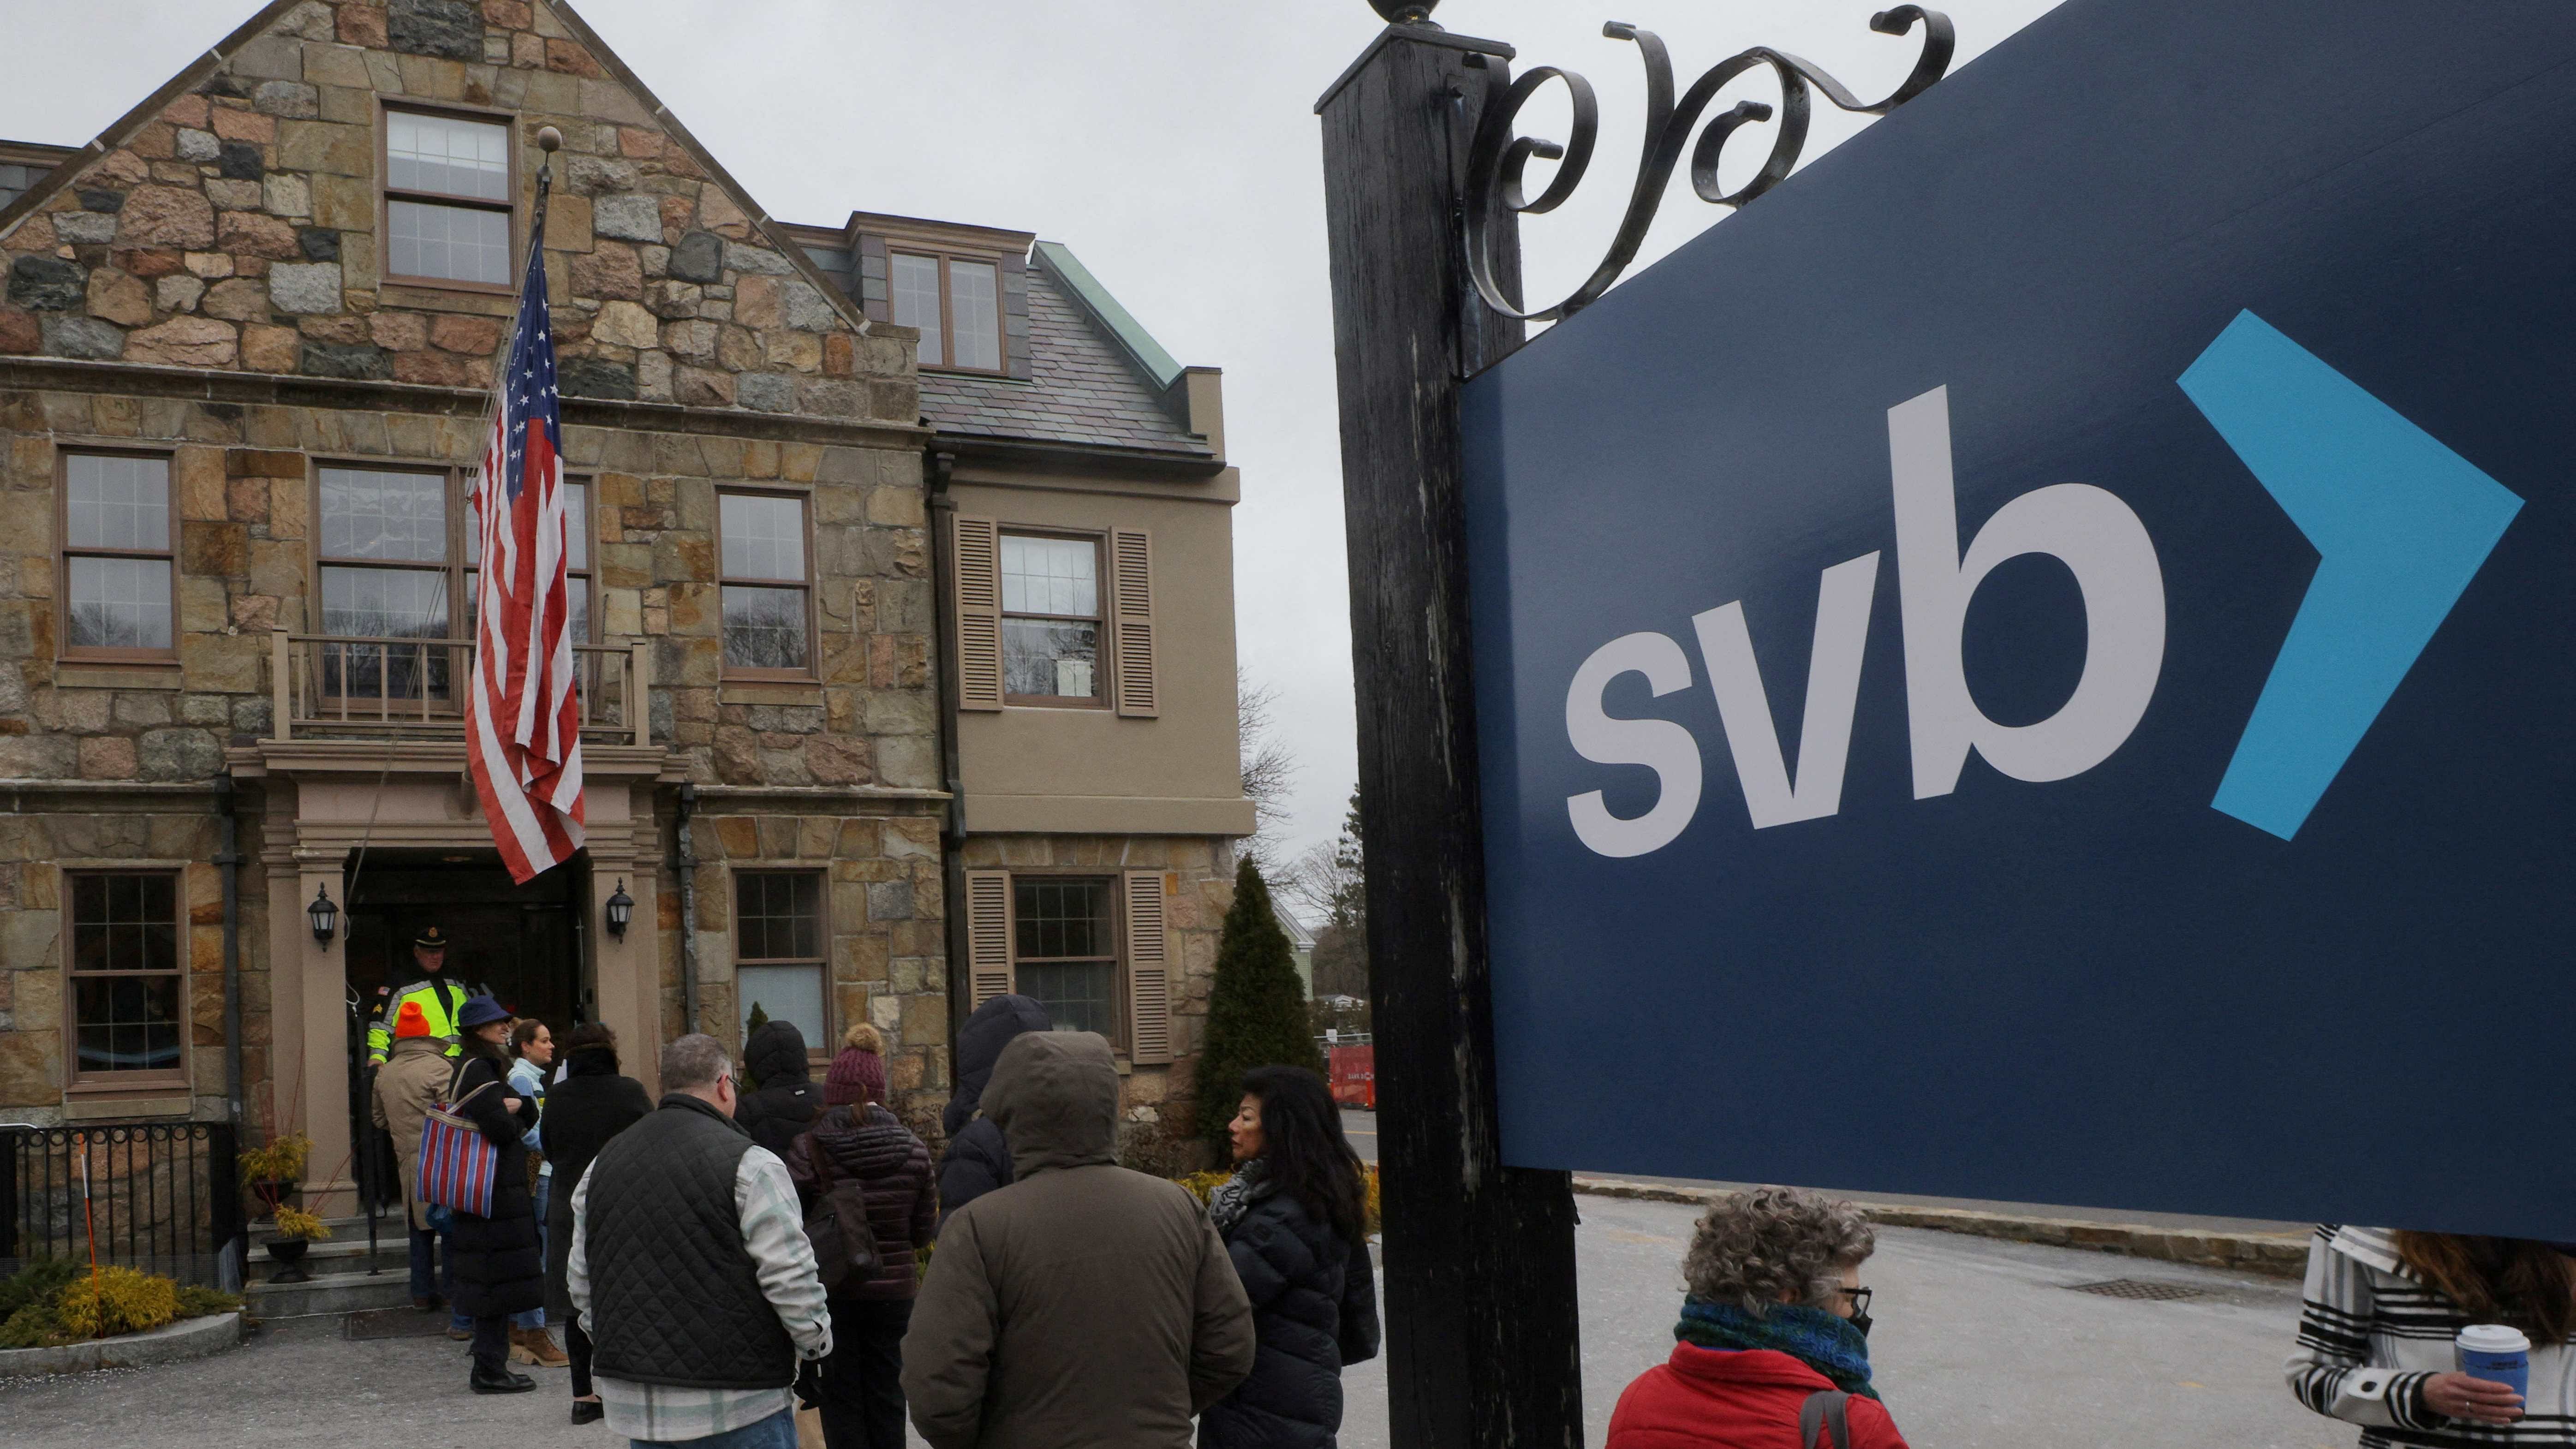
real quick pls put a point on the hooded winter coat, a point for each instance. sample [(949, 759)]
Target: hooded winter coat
[(978, 1160), (865, 1144), (780, 1100), (498, 1267), (410, 1083), (1083, 1305), (589, 1106), (1314, 1310)]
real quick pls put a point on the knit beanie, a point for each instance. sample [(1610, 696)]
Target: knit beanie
[(858, 1074), (409, 1021)]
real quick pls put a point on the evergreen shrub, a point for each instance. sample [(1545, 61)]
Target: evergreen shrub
[(1256, 1008)]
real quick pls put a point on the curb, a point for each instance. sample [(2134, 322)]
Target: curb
[(175, 1343), (2277, 1255)]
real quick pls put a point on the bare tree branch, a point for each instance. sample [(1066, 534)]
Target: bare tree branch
[(1269, 768)]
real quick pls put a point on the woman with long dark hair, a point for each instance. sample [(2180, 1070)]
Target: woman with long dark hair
[(499, 1270), (2382, 1311), (1295, 1221), (589, 1104)]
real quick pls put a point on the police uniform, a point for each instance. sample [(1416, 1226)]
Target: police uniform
[(439, 998)]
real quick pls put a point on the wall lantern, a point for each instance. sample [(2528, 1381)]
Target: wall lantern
[(324, 915), (621, 909)]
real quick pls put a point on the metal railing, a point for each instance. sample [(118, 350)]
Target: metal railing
[(377, 684), (163, 1197)]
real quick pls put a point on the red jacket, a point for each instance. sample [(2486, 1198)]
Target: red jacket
[(1707, 1398)]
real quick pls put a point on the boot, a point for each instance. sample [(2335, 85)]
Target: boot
[(536, 1346), (504, 1382), (588, 1411)]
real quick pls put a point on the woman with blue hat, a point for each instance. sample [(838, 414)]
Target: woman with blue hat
[(499, 1268)]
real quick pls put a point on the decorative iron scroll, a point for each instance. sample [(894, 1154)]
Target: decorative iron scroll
[(1498, 159)]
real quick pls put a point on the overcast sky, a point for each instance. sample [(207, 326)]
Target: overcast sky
[(1170, 143)]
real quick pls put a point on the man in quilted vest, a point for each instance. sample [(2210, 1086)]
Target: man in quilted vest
[(690, 1271)]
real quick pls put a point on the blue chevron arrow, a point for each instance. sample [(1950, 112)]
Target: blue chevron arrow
[(2401, 524)]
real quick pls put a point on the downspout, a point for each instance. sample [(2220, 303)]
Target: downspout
[(952, 827), (688, 915), (228, 856)]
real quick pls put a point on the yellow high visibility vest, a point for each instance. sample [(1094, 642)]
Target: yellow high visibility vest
[(440, 1000)]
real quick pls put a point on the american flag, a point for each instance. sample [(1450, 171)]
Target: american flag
[(522, 719)]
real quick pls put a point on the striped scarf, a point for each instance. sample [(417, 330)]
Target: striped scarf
[(1820, 1340)]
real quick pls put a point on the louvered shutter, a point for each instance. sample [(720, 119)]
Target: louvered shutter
[(975, 558), (988, 935), (1131, 580), (1149, 981)]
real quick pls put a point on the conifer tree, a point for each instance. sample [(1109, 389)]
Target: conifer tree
[(1256, 1007)]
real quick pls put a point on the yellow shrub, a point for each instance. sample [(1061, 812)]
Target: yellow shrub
[(121, 1301), (1201, 1184), (1369, 1173), (297, 1223)]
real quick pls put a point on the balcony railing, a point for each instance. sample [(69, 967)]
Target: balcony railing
[(324, 684)]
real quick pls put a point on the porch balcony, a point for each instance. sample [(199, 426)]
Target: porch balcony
[(326, 686)]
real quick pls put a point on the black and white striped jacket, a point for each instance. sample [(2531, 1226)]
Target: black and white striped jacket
[(2371, 1333)]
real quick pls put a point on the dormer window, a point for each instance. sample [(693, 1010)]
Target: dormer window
[(957, 304)]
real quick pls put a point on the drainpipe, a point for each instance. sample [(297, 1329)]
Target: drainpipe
[(235, 1264), (952, 827), (688, 915)]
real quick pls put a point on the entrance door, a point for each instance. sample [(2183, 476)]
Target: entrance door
[(519, 943)]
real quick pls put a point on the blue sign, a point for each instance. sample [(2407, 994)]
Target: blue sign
[(2038, 661)]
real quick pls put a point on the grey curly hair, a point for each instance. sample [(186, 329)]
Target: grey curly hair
[(1752, 1248)]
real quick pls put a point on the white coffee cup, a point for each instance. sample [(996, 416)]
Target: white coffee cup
[(2495, 1352)]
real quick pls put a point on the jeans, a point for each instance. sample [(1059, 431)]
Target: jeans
[(491, 1345), (536, 1317), (862, 1397), (778, 1431), (429, 1249)]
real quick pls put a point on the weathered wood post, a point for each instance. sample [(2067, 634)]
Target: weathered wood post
[(1481, 1338)]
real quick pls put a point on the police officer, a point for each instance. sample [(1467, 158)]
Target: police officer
[(439, 998)]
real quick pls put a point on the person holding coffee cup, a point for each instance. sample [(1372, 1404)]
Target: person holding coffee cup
[(2428, 1338)]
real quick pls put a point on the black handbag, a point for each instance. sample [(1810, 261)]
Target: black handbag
[(845, 1246)]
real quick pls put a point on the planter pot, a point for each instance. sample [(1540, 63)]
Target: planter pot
[(267, 1193), (288, 1253)]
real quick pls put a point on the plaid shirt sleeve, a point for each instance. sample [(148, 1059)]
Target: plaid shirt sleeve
[(773, 1231)]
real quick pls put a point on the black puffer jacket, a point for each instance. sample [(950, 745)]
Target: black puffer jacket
[(781, 1100), (1314, 1310), (498, 1267), (978, 1160), (867, 1145)]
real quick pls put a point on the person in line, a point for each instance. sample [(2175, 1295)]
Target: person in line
[(498, 1269), (407, 1086), (978, 1160), (690, 1266), (1774, 1335), (589, 1106), (783, 1100), (532, 1052), (2382, 1309), (858, 1142), (1084, 1303), (1295, 1222), (438, 998)]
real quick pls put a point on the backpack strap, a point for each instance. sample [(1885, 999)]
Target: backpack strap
[(1826, 1409)]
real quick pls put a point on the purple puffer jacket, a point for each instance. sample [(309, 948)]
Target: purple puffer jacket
[(893, 1168)]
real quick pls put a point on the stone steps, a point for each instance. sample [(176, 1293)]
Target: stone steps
[(328, 1293)]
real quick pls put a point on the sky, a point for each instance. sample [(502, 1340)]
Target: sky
[(1171, 144)]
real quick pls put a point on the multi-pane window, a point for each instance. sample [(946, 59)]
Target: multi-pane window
[(447, 198), (385, 573), (779, 945), (1050, 619), (766, 583), (127, 1018), (957, 304), (1063, 951), (116, 556)]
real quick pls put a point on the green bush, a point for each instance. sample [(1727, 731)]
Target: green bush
[(39, 1282), (196, 1302), (1256, 1008)]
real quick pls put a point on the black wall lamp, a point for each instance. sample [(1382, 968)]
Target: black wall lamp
[(621, 909), (324, 915)]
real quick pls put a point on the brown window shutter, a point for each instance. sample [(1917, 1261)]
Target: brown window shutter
[(1131, 577), (988, 935), (1149, 982), (976, 572)]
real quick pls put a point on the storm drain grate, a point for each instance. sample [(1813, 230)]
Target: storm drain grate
[(2140, 1288)]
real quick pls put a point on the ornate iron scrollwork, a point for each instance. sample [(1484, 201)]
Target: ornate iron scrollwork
[(1499, 158)]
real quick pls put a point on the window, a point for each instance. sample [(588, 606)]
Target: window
[(447, 199), (116, 557), (126, 1014), (761, 540), (384, 570), (957, 304), (1050, 619), (779, 943), (1063, 951)]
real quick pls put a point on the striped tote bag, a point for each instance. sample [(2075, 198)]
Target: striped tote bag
[(457, 1162)]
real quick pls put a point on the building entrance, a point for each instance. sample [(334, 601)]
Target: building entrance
[(520, 943)]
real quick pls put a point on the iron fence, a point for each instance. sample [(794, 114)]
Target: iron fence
[(163, 1197)]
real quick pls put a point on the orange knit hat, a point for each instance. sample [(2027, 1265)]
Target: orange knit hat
[(409, 1021)]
